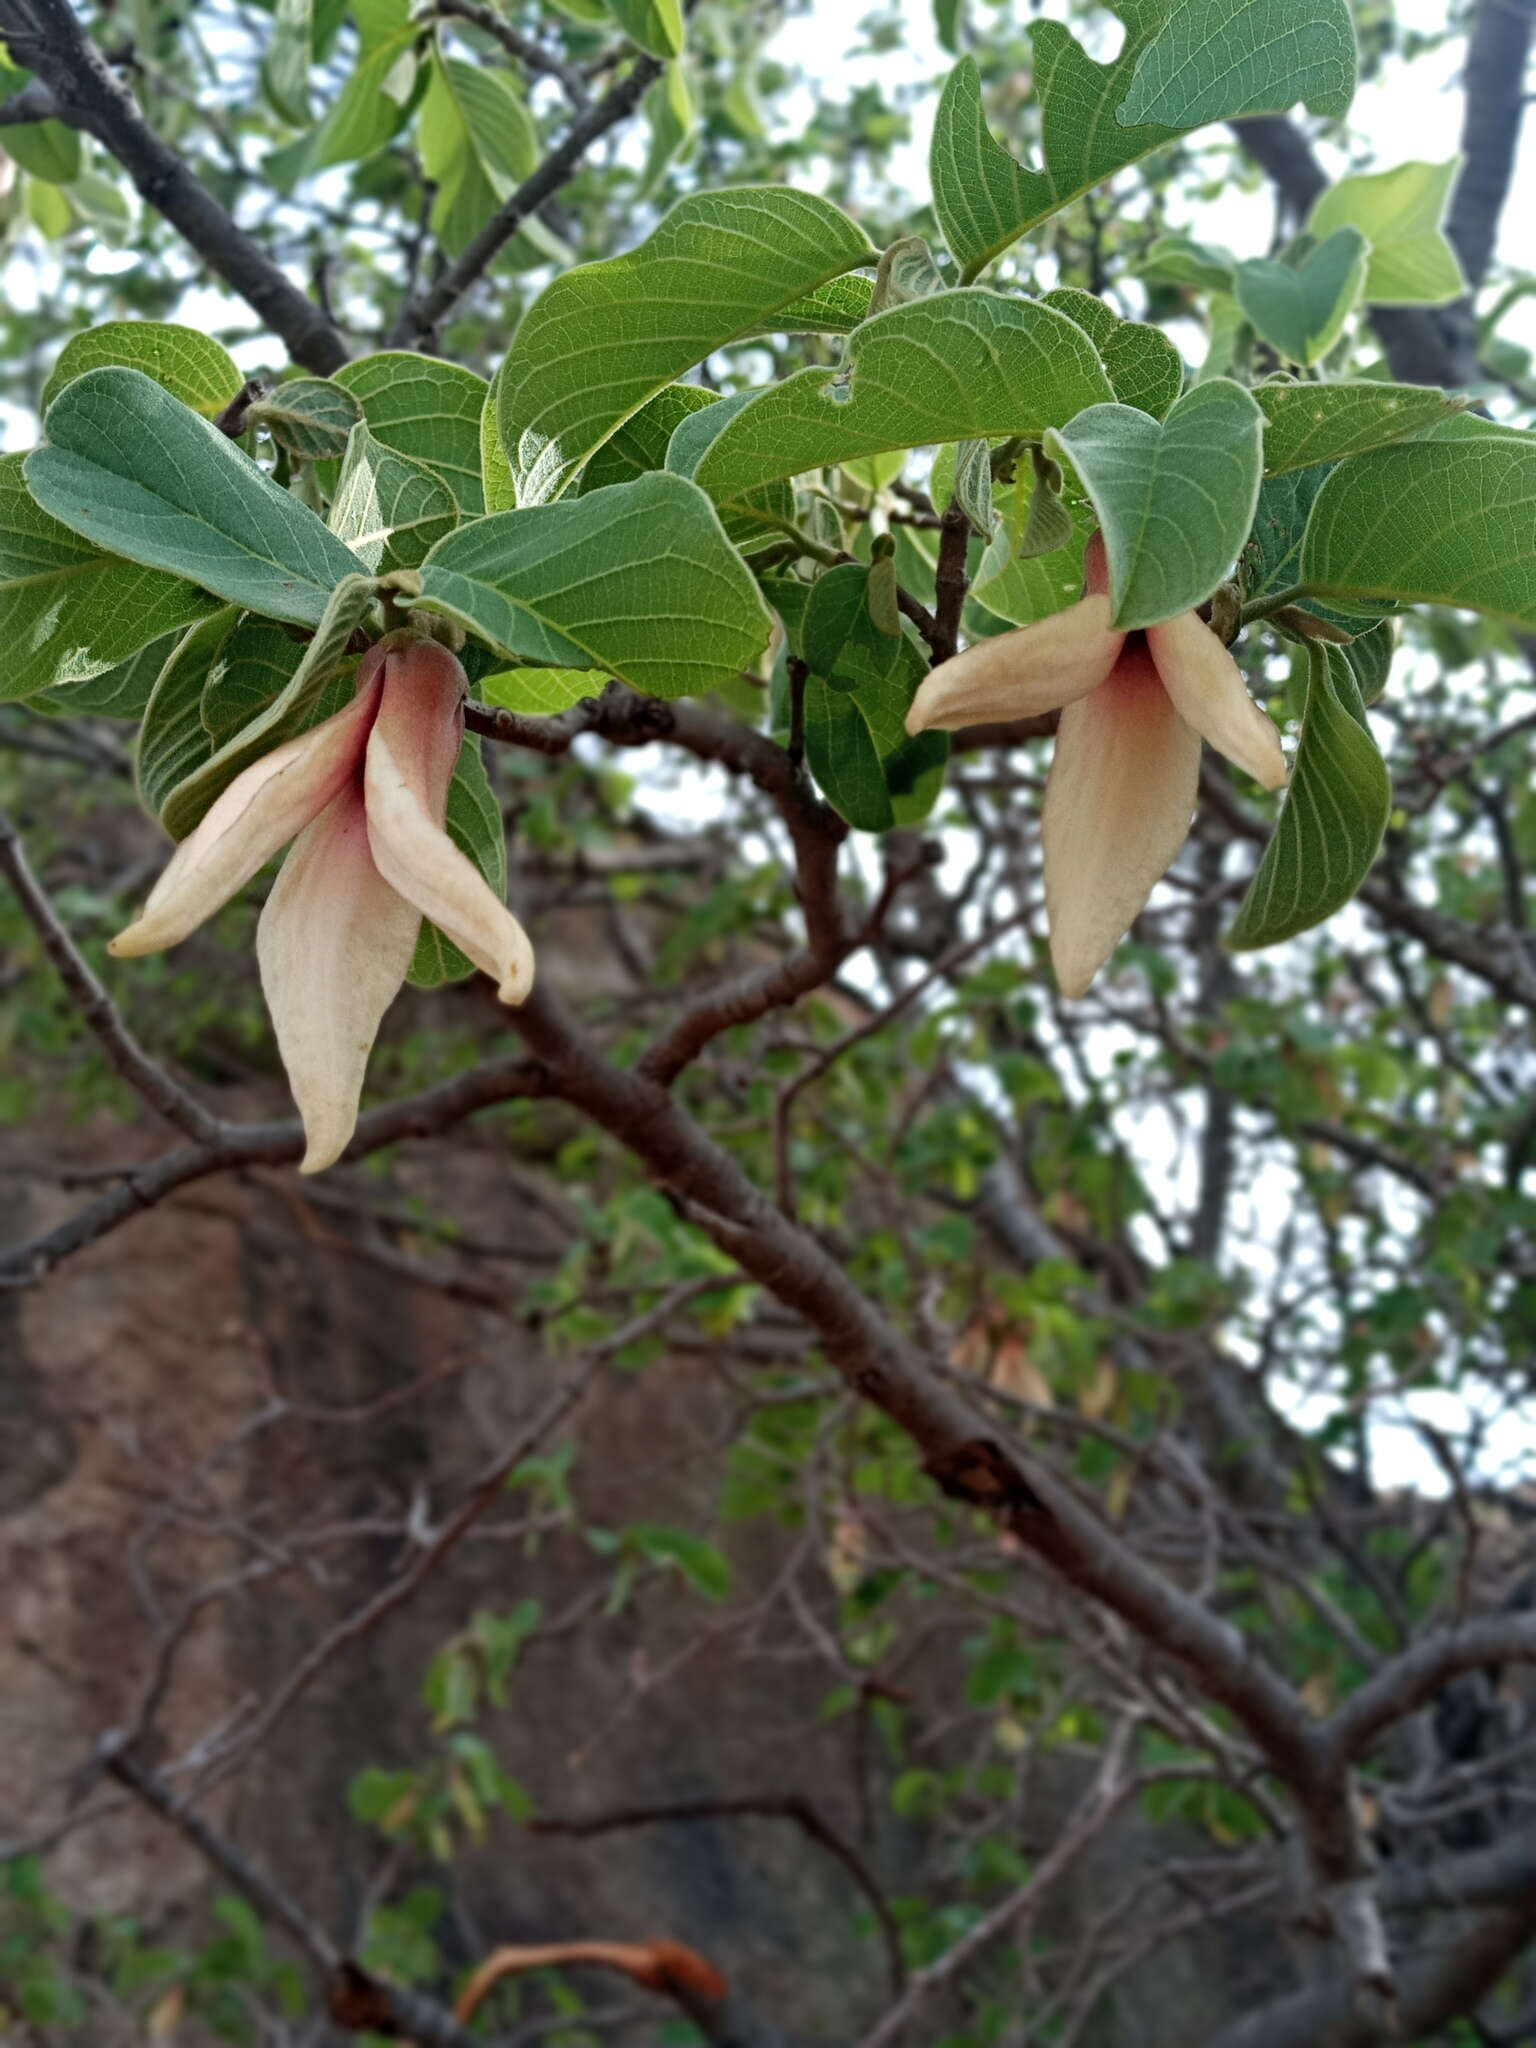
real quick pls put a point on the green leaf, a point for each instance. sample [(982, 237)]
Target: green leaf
[(310, 417), (370, 106), (638, 579), (475, 827), (1431, 522), (292, 711), (655, 25), (1306, 424), (1183, 62), (673, 117), (841, 753), (644, 443), (285, 73), (173, 741), (1370, 658), (540, 692), (1331, 821), (1180, 259), (1175, 499), (427, 410), (1399, 212), (968, 365), (192, 366), (947, 15), (67, 611), (133, 469), (1145, 369), (834, 308), (45, 149), (702, 1563), (1300, 307), (600, 340), (121, 692), (478, 143), (497, 482), (1213, 60), (389, 510), (1023, 589), (254, 667)]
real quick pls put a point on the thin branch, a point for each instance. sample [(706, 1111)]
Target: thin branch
[(421, 318), (47, 38)]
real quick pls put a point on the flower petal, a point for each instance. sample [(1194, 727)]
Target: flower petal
[(1209, 693), (1015, 675), (334, 943), (1118, 804), (262, 809), (411, 754)]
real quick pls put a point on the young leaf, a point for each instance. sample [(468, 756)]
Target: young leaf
[(389, 510), (67, 611), (1175, 499), (173, 741), (475, 827), (310, 417), (427, 410), (1399, 213), (655, 25), (1444, 521), (841, 753), (1184, 62), (1332, 818), (968, 365), (1310, 423), (290, 712), (638, 579), (1300, 307), (191, 365), (132, 469), (1145, 368), (601, 339)]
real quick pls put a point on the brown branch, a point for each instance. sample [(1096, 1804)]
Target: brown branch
[(355, 1999), (422, 316), (950, 582), (47, 38), (532, 55), (1420, 1671)]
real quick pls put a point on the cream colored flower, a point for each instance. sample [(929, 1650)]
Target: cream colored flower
[(1121, 792), (363, 798)]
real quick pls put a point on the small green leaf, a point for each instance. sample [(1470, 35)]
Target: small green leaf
[(67, 611), (673, 117), (1332, 818), (134, 470), (1145, 369), (389, 510), (1443, 521), (475, 827), (1399, 212), (1300, 307), (427, 410), (45, 149), (191, 365), (638, 579), (310, 417), (478, 142), (601, 339), (842, 757), (968, 365), (285, 73), (1175, 499), (656, 26), (836, 607), (370, 106), (1311, 423), (292, 711), (1180, 259)]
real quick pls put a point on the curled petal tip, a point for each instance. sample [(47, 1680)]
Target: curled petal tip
[(516, 983)]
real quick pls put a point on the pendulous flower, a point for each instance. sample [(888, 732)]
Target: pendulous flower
[(1121, 791), (363, 797)]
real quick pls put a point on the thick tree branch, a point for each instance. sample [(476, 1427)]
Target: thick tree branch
[(45, 36)]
